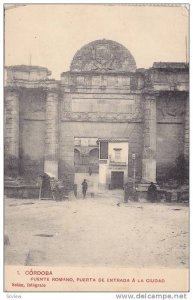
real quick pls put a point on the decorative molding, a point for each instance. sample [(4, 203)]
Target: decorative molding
[(171, 108), (100, 117)]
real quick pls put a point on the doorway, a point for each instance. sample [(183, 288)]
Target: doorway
[(117, 180)]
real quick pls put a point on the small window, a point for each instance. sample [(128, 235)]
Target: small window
[(117, 154), (103, 150)]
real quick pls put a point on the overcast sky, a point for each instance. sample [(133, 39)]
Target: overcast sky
[(52, 34)]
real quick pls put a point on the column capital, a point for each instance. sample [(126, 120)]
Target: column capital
[(51, 90), (150, 96), (54, 91), (11, 89), (52, 87), (171, 94)]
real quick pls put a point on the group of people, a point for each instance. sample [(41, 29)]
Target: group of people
[(51, 187), (151, 193), (130, 192)]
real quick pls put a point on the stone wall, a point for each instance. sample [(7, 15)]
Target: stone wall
[(103, 95), (11, 132), (32, 132), (170, 132), (186, 131), (32, 150), (169, 147)]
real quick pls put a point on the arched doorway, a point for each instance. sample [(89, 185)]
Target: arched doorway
[(77, 159), (94, 160)]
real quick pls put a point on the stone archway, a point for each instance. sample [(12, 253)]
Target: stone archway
[(77, 159)]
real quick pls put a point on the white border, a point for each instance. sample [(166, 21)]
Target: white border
[(79, 296)]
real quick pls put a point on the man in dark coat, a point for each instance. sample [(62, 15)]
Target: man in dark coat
[(152, 192), (84, 188)]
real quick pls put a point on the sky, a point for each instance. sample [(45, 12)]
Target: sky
[(51, 34)]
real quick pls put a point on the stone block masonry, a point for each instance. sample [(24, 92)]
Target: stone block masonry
[(52, 134), (12, 128), (103, 95), (149, 150)]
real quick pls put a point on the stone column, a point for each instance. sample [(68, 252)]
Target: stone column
[(12, 128), (186, 130), (149, 150), (52, 133)]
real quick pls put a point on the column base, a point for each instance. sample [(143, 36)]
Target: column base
[(142, 189), (51, 168)]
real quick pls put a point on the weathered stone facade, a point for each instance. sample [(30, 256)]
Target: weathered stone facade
[(103, 96)]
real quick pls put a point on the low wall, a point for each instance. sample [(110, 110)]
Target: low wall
[(22, 191)]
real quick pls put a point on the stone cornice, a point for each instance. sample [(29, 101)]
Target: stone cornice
[(173, 93), (92, 73), (11, 89), (150, 94), (47, 84)]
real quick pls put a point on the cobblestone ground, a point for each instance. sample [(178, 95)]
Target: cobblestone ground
[(100, 231)]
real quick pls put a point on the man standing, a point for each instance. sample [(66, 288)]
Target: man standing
[(84, 188), (152, 192)]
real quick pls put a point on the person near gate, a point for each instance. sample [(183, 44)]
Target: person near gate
[(152, 192), (84, 188)]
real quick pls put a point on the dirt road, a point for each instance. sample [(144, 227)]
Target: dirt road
[(96, 231)]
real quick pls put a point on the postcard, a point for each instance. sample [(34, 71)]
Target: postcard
[(96, 139)]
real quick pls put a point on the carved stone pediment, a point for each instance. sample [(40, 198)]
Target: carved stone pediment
[(103, 56)]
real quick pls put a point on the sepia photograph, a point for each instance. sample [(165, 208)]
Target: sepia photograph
[(96, 147)]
